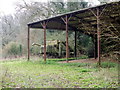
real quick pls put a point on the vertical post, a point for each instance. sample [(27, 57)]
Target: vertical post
[(67, 49), (44, 42), (59, 43), (98, 36), (95, 46), (98, 32), (28, 43), (75, 43), (44, 27), (66, 24), (94, 49)]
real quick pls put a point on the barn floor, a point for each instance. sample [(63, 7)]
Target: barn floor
[(90, 60)]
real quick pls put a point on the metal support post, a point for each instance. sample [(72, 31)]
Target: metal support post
[(67, 49), (66, 20), (44, 24), (28, 43), (98, 36), (75, 43), (98, 15)]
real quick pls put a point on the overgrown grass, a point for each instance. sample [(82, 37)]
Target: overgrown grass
[(37, 74), (72, 58), (108, 64)]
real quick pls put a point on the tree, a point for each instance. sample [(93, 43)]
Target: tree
[(107, 1), (9, 29)]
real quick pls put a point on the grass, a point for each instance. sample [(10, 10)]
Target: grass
[(72, 58), (37, 74)]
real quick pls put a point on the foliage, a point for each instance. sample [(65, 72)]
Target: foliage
[(110, 41), (12, 49), (10, 30), (85, 45), (35, 50), (107, 1)]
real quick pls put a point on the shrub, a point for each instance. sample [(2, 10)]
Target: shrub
[(12, 49), (35, 50)]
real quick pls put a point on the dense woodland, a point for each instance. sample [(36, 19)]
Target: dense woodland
[(14, 29)]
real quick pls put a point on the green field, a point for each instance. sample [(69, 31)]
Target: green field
[(37, 74)]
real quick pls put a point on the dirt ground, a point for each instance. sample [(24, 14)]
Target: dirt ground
[(81, 61), (90, 60)]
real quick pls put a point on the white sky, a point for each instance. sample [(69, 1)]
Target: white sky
[(8, 6)]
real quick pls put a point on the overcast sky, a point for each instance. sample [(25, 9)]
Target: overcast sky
[(8, 6)]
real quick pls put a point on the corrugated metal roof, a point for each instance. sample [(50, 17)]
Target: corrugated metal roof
[(84, 20)]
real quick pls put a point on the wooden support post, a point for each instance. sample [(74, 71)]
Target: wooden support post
[(66, 20), (28, 43), (44, 24), (75, 43)]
